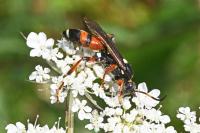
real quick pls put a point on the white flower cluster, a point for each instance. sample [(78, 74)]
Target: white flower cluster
[(189, 119), (34, 128), (134, 114)]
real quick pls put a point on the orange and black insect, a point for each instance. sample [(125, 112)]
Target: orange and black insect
[(98, 40)]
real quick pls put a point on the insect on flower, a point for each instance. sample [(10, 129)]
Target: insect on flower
[(107, 53)]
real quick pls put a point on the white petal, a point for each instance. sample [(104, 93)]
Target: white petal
[(46, 54), (187, 109), (31, 127), (126, 104), (32, 40), (46, 76), (165, 119), (11, 128), (46, 70), (77, 101), (118, 111), (88, 116), (82, 92), (98, 70), (35, 53), (49, 43), (170, 129), (87, 109), (143, 87), (149, 102), (89, 126), (53, 87), (42, 37), (83, 102), (61, 99), (81, 115), (39, 79), (180, 116), (33, 75), (155, 93), (20, 125), (75, 108), (187, 122), (39, 68), (108, 78), (53, 99), (182, 109), (75, 93)]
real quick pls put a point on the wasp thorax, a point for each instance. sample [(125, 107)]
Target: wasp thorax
[(128, 72)]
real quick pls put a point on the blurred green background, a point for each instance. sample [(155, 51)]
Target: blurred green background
[(160, 39)]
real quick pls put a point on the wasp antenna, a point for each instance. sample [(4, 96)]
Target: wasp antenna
[(22, 34), (163, 98), (157, 99)]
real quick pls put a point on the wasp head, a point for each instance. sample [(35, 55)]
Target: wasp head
[(129, 86)]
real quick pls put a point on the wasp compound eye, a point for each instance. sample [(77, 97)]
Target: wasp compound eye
[(129, 86)]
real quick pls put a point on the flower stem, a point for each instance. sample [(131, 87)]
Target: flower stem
[(69, 118)]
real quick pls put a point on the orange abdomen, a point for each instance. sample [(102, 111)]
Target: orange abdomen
[(83, 38), (96, 44), (90, 41)]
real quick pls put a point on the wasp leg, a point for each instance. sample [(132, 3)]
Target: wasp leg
[(120, 83), (72, 69), (75, 66), (108, 70)]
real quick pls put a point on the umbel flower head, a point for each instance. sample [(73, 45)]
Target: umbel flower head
[(189, 119), (34, 128), (133, 114)]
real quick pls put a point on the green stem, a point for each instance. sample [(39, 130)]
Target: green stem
[(69, 118)]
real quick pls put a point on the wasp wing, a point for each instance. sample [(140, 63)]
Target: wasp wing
[(96, 30)]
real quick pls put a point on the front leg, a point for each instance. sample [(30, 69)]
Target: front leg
[(120, 83), (72, 69), (108, 70)]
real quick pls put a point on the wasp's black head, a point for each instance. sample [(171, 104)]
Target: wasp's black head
[(130, 85), (72, 35)]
